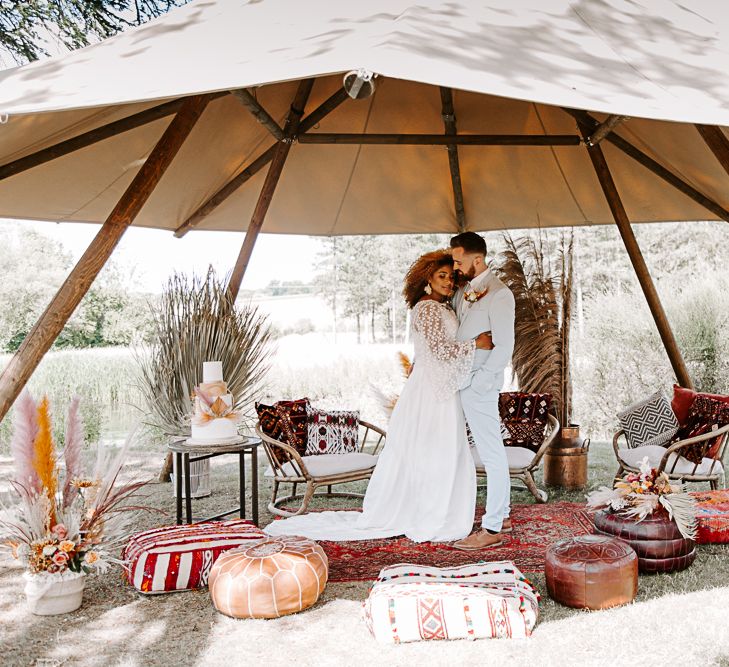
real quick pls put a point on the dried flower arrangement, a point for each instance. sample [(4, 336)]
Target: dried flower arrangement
[(74, 523), (639, 495)]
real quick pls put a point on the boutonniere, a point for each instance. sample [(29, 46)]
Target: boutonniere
[(472, 297)]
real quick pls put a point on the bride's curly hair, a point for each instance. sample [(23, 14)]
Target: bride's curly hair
[(419, 273)]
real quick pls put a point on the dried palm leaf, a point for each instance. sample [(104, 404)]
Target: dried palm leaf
[(543, 300), (195, 321)]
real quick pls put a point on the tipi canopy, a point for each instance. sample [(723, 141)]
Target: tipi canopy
[(511, 65), (486, 114)]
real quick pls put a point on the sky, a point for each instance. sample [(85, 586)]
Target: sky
[(151, 255)]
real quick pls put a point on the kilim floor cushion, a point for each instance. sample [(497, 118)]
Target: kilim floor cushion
[(535, 528), (713, 516), (485, 600), (179, 558)]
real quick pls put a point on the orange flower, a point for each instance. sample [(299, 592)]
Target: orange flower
[(67, 546), (91, 557)]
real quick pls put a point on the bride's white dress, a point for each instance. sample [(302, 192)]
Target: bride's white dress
[(424, 484)]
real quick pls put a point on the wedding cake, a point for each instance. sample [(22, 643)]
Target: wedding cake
[(214, 419)]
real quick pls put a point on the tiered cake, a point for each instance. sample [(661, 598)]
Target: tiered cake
[(214, 419)]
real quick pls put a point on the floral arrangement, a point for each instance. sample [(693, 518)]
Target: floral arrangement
[(212, 405), (638, 495), (64, 524)]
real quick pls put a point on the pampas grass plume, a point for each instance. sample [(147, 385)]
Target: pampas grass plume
[(72, 451), (44, 459), (23, 442)]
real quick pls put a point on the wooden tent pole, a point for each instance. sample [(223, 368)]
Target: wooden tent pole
[(449, 120), (649, 163), (258, 112), (441, 140), (273, 174), (636, 257), (254, 167), (94, 136), (717, 141), (55, 316)]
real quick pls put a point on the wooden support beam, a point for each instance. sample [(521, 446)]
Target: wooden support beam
[(636, 257), (281, 151), (258, 112), (254, 167), (605, 128), (649, 163), (55, 316), (94, 136), (717, 141), (449, 120), (442, 140)]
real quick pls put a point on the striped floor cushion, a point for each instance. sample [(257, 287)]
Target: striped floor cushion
[(712, 514), (179, 558), (416, 602)]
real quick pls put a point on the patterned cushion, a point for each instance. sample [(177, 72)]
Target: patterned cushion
[(525, 418), (331, 432), (712, 513), (292, 418), (706, 415), (649, 422), (269, 421), (416, 602), (179, 558), (684, 398)]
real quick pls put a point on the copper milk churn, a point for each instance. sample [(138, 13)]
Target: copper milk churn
[(565, 461)]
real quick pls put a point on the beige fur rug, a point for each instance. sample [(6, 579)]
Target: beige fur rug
[(688, 629)]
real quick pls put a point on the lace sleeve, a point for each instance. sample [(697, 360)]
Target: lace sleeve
[(448, 361)]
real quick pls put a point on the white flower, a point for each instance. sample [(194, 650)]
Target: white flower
[(645, 466), (49, 549), (618, 503)]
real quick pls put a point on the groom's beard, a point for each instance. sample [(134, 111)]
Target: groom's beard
[(465, 276)]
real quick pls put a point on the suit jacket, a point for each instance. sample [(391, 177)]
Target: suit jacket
[(493, 312)]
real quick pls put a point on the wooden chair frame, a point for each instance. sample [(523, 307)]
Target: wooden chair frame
[(525, 474), (716, 478), (280, 453)]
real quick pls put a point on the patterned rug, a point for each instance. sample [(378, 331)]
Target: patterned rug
[(535, 528)]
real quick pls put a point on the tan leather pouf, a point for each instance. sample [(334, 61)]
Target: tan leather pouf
[(278, 576), (591, 572)]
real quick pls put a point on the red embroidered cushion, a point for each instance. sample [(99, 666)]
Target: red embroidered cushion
[(684, 398), (525, 418), (269, 421), (331, 432), (292, 418), (179, 558), (706, 415), (712, 514)]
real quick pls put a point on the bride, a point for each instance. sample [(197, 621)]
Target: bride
[(424, 484)]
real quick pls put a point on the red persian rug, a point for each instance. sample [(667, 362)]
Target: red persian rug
[(712, 513), (535, 528)]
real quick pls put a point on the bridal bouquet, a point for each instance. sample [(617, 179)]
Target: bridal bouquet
[(63, 523), (638, 495)]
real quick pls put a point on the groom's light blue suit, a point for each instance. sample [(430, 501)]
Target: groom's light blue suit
[(493, 312)]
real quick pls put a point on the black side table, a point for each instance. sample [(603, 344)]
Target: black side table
[(186, 454)]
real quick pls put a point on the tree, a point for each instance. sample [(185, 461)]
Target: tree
[(29, 28)]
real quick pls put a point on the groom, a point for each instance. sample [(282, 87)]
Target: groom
[(485, 304)]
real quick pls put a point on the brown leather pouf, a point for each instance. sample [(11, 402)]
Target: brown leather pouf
[(278, 576), (591, 572)]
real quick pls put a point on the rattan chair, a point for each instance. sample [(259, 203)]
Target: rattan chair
[(670, 461), (289, 467), (524, 462)]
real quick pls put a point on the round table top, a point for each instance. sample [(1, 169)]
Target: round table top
[(242, 443)]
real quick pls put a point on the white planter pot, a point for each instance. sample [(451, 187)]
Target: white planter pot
[(49, 594)]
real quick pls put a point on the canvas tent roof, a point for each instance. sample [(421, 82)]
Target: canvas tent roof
[(512, 64)]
